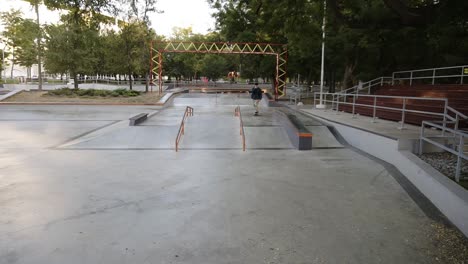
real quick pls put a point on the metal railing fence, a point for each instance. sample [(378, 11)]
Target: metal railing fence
[(433, 74), (367, 85), (336, 101), (457, 136)]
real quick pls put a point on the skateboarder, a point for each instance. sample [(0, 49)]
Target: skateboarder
[(256, 95)]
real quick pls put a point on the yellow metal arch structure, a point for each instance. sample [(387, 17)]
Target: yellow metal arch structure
[(278, 50)]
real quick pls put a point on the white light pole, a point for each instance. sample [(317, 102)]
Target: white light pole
[(321, 105)]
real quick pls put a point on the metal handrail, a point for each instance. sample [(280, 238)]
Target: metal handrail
[(237, 112), (336, 103), (456, 134), (367, 85), (188, 112), (434, 75)]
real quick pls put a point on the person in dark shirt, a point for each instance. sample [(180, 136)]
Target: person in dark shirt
[(256, 95)]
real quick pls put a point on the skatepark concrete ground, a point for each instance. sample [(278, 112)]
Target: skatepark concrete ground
[(78, 185)]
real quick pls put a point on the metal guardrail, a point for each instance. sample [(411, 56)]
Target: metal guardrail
[(237, 112), (336, 101), (188, 112), (367, 85), (446, 133), (433, 74)]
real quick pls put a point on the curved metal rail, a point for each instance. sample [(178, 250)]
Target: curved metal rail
[(188, 112)]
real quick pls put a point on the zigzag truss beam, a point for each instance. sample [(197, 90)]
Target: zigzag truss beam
[(279, 50)]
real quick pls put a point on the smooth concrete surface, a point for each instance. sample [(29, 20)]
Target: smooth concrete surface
[(323, 138), (450, 198), (78, 204)]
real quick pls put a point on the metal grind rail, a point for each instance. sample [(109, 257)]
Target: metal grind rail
[(188, 112), (237, 112)]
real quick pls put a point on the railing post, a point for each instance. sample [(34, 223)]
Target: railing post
[(457, 119), (459, 159), (433, 76), (411, 79), (462, 73), (333, 101), (337, 104), (381, 81), (444, 120), (315, 96), (403, 114), (421, 135), (354, 103), (375, 104)]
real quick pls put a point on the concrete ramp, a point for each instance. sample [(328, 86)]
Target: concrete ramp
[(322, 137), (267, 137), (211, 132)]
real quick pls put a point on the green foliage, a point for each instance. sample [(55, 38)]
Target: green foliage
[(20, 34), (93, 92), (365, 39)]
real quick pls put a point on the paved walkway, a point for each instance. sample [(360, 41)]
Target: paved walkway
[(78, 186)]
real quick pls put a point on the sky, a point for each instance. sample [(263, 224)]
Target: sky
[(177, 13)]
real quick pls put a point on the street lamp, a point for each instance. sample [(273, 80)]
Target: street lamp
[(321, 105)]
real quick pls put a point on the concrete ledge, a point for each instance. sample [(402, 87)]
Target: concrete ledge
[(140, 118), (10, 94), (450, 198), (300, 137), (163, 100)]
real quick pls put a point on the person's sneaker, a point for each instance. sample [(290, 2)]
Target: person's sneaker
[(256, 113)]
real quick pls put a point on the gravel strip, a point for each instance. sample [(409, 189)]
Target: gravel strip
[(446, 163)]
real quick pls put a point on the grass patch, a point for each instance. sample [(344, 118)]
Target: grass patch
[(93, 93)]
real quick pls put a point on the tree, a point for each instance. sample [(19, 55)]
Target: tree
[(81, 33), (133, 45), (214, 66), (365, 39)]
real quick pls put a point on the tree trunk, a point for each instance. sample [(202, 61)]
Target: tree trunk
[(12, 62), (331, 87), (130, 76), (75, 82), (39, 61), (147, 82), (348, 76)]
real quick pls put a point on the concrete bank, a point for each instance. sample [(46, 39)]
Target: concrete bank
[(446, 195)]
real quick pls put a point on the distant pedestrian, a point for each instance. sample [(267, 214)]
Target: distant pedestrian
[(256, 95)]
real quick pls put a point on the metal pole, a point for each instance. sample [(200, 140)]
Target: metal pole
[(459, 160), (445, 117), (433, 77), (321, 105), (373, 115), (337, 104), (462, 73), (403, 114), (354, 104), (421, 135)]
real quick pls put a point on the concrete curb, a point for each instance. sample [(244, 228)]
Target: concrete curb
[(10, 94)]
